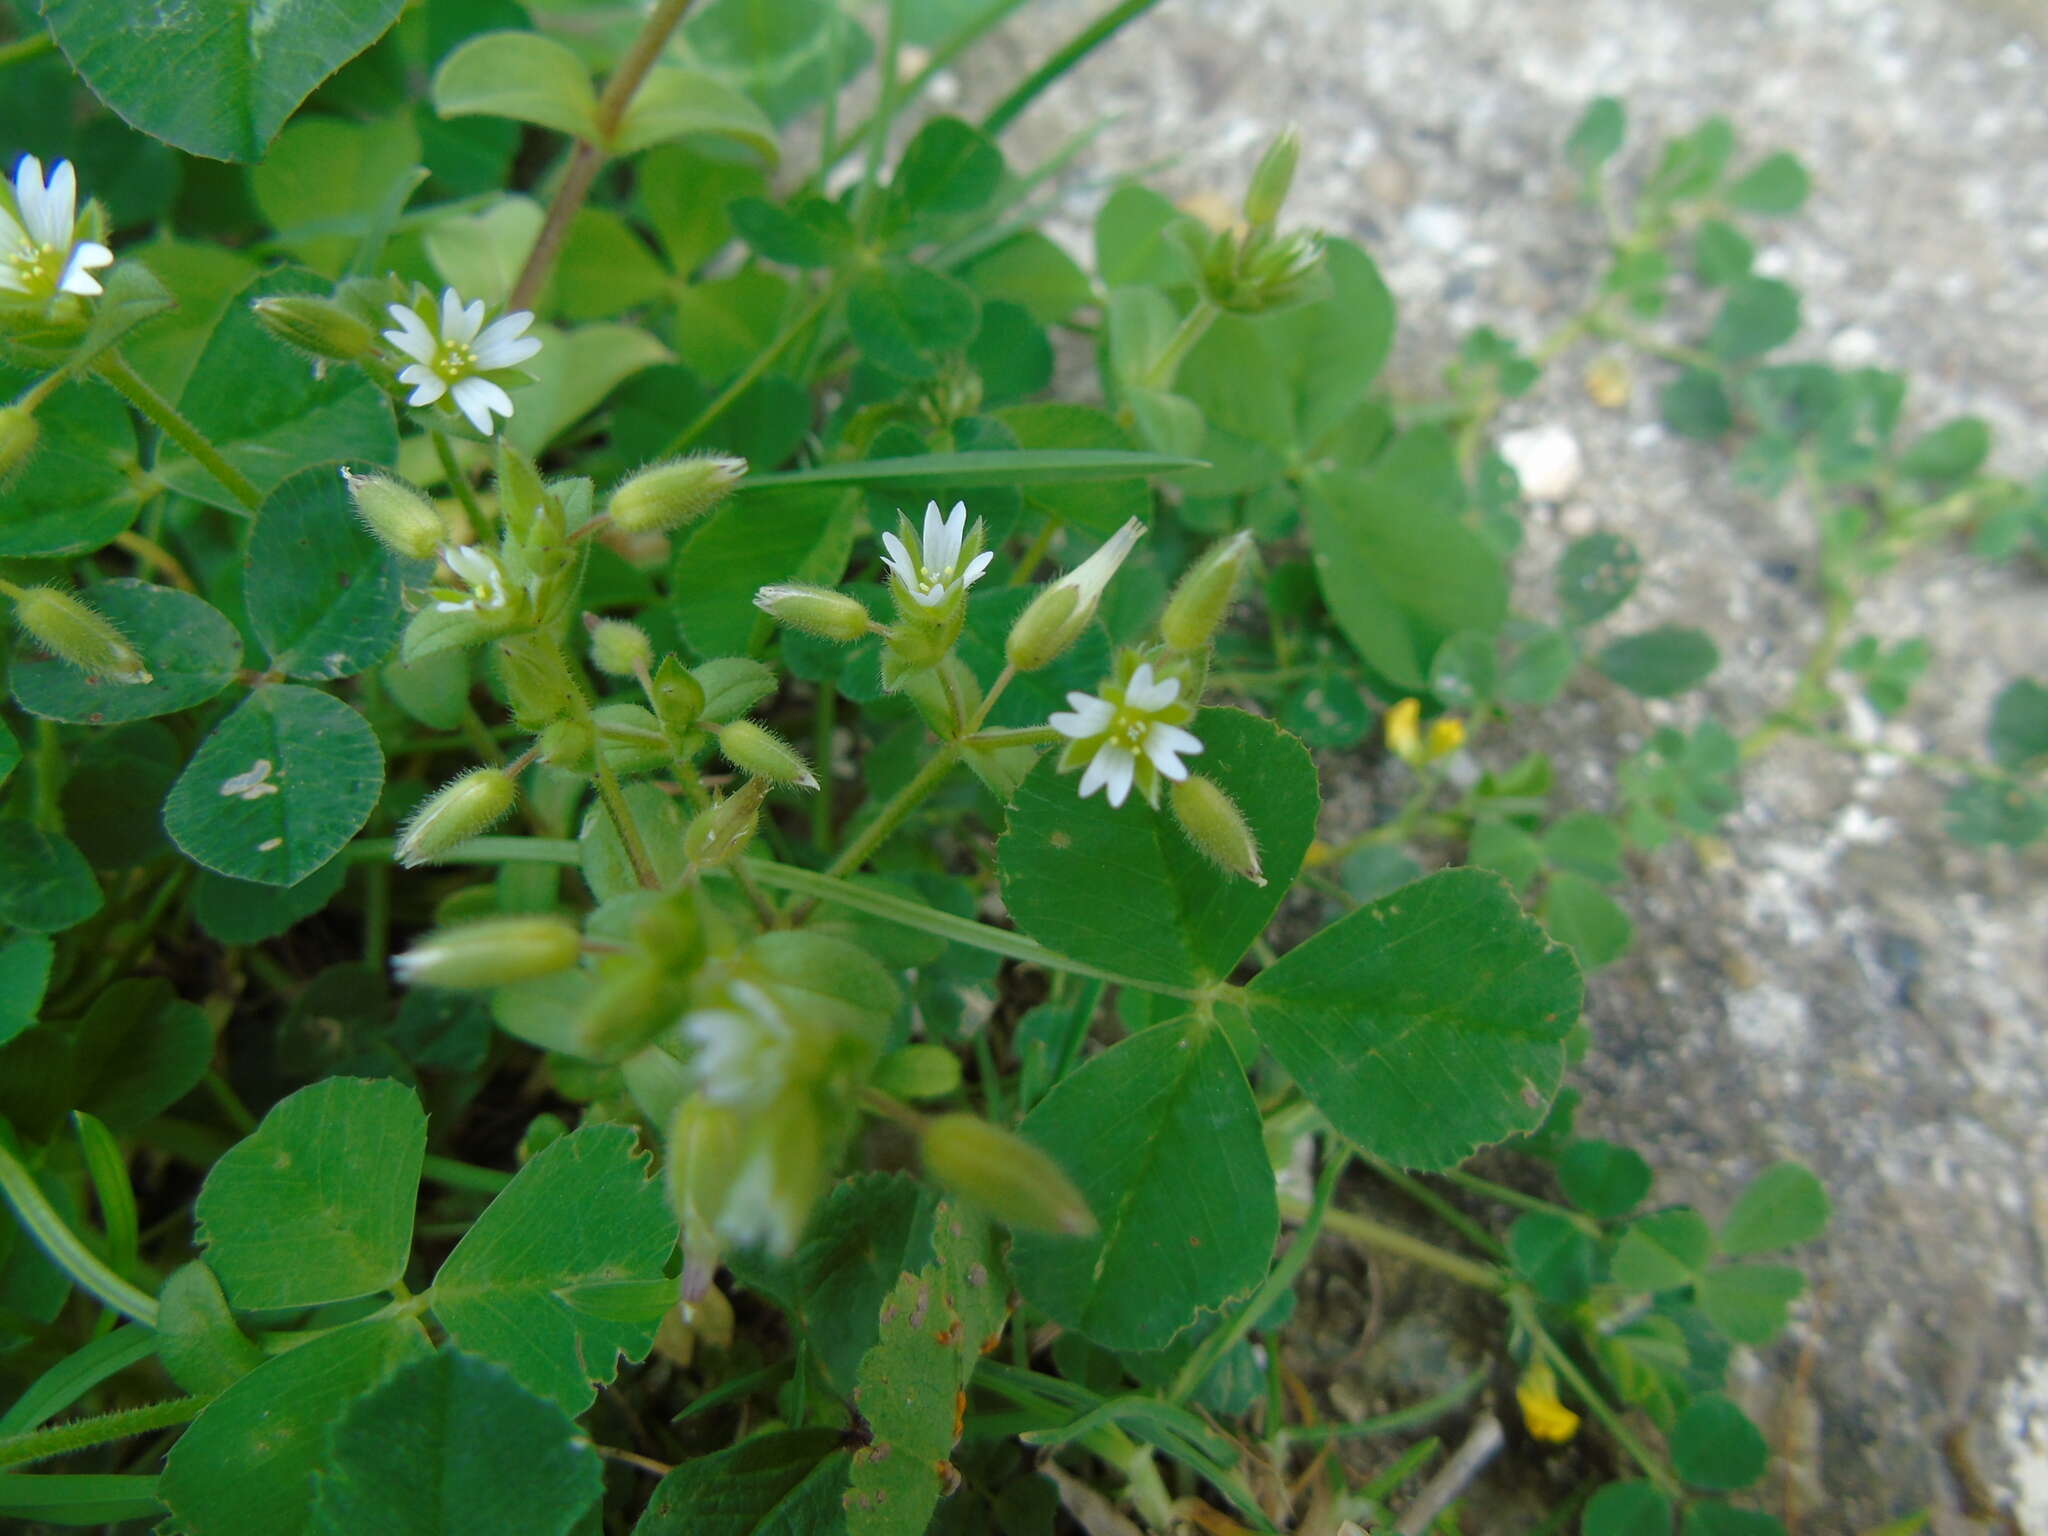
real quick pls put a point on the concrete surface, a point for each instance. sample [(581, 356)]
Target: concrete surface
[(1846, 986)]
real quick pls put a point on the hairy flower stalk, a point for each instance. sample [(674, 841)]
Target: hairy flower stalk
[(455, 354), (43, 249), (1131, 733)]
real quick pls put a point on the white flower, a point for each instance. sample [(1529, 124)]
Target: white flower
[(453, 353), (40, 252), (932, 572), (485, 587), (744, 1053), (1131, 734)]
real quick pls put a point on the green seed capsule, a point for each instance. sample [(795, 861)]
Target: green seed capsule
[(65, 626), (1274, 178), (536, 679), (619, 649), (1004, 1174), (1213, 823), (19, 432), (318, 327), (677, 696), (815, 610), (665, 496), (720, 833), (757, 750), (1195, 611), (918, 1072), (492, 953), (634, 1001), (461, 809), (399, 517)]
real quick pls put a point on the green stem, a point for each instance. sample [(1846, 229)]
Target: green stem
[(113, 367), (1514, 1197), (1441, 1208), (1598, 1405), (887, 820), (80, 1434), (49, 808), (1368, 1233), (1167, 364), (614, 798), (1077, 48), (1411, 1417), (458, 482), (1798, 710), (1395, 831), (22, 49), (1003, 680), (760, 365), (1277, 1283), (824, 720), (959, 930), (64, 1247), (1020, 573), (461, 1175), (1014, 736), (588, 158), (483, 850)]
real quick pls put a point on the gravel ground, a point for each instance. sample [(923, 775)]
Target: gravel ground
[(1845, 986)]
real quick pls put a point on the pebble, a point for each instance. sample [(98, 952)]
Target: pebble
[(1546, 459)]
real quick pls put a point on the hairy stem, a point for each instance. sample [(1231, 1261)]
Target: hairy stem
[(1077, 48), (1368, 1233), (878, 831), (80, 1434), (140, 393)]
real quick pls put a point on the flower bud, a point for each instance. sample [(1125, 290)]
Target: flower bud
[(1217, 828), (1273, 179), (1196, 609), (1545, 1415), (492, 953), (65, 626), (522, 494), (1005, 1175), (720, 832), (1446, 735), (677, 696), (704, 1141), (1058, 615), (318, 327), (757, 750), (633, 1002), (400, 518), (816, 611), (918, 1072), (1402, 724), (19, 431), (536, 678), (456, 812), (665, 496), (619, 649)]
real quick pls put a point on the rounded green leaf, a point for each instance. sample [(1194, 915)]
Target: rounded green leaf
[(191, 650), (1663, 1251), (1603, 1178), (949, 167), (520, 75), (774, 1483), (198, 1340), (1784, 1205), (451, 1445), (1577, 912), (1710, 1517), (1749, 1302), (213, 77), (278, 788), (673, 103), (244, 912), (1327, 709), (1659, 663), (1122, 886), (248, 1461), (1596, 576), (24, 976), (1553, 1255), (1161, 1134), (1758, 314), (315, 1205), (1594, 140), (1627, 1509), (1426, 1024), (1714, 1445), (1694, 404), (79, 491), (582, 1212), (323, 595), (1775, 184), (45, 884), (907, 318), (2019, 724), (140, 1050), (1099, 508)]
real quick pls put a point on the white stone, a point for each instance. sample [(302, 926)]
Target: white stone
[(1546, 459), (1436, 227)]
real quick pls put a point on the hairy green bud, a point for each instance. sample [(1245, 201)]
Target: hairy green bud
[(665, 496), (921, 1071), (757, 750), (1060, 613), (815, 610), (461, 809), (1005, 1175), (619, 649), (1213, 823), (536, 678), (1196, 609), (19, 433), (567, 744), (1274, 178), (65, 626), (491, 953), (399, 517), (634, 1001), (317, 327), (522, 494)]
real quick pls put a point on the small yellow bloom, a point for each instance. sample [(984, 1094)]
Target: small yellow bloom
[(1404, 737), (1446, 735), (1546, 1417)]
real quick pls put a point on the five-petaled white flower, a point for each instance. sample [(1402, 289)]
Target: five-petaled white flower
[(454, 353), (930, 570), (744, 1053), (1131, 733), (485, 589), (40, 252)]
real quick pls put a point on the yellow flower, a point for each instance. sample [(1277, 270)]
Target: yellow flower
[(1404, 738), (1546, 1417), (1446, 735)]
